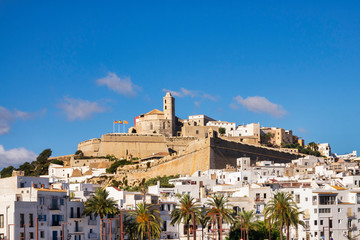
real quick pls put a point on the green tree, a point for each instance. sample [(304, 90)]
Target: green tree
[(130, 227), (261, 232), (101, 205), (313, 146), (247, 220), (79, 153), (147, 220), (282, 211), (44, 155), (222, 131), (116, 165), (7, 172), (184, 212), (56, 161), (203, 220), (219, 208), (27, 168)]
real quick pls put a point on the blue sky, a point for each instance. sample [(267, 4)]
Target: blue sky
[(69, 68)]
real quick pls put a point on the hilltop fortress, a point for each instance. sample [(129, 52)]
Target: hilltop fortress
[(176, 146)]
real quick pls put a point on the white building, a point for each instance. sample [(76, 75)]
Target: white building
[(228, 126), (252, 129), (325, 149), (30, 203)]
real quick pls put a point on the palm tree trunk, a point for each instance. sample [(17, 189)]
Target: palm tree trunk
[(247, 234), (281, 232), (101, 229), (202, 233), (287, 229), (188, 231)]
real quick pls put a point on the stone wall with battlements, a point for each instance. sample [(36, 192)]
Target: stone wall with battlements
[(196, 157), (204, 154), (90, 147), (137, 145)]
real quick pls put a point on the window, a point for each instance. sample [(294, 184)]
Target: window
[(1, 221), (164, 226), (197, 131), (339, 209), (31, 235), (327, 200), (22, 220), (315, 222), (41, 200), (321, 222), (61, 201), (31, 220), (264, 195), (315, 210), (325, 210)]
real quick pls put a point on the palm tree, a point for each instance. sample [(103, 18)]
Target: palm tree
[(185, 213), (203, 219), (293, 220), (219, 209), (101, 205), (282, 211), (313, 146), (130, 227), (147, 220), (249, 221)]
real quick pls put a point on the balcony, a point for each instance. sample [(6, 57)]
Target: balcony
[(54, 208), (93, 236), (78, 230), (259, 200), (55, 224)]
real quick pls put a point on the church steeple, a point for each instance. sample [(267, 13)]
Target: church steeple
[(169, 112)]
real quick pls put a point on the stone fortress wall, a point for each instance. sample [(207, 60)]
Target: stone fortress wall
[(137, 145), (201, 155)]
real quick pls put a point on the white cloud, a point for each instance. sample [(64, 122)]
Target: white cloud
[(7, 117), (197, 104), (79, 109), (260, 105), (15, 156), (182, 93), (191, 93), (122, 86), (210, 97), (302, 130)]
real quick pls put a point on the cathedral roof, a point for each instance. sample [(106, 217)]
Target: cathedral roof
[(155, 112)]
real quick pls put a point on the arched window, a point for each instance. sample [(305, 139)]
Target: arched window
[(151, 126)]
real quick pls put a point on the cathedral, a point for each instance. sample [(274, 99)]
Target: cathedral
[(159, 122)]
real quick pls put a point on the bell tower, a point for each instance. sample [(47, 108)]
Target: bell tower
[(169, 113)]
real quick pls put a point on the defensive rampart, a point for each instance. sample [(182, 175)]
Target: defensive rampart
[(204, 154)]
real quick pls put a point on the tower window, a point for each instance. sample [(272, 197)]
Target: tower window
[(165, 107)]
